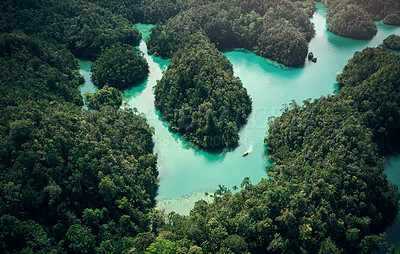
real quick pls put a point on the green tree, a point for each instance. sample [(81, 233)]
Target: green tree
[(80, 238), (392, 42), (235, 243), (107, 96), (327, 246), (143, 240), (162, 246), (119, 66)]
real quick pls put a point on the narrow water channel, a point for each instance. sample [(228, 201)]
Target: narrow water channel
[(187, 172)]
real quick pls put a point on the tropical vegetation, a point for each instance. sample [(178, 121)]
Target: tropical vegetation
[(144, 11), (85, 28), (392, 42), (351, 20), (355, 19), (278, 30), (120, 66), (85, 181), (71, 181), (106, 97), (200, 97)]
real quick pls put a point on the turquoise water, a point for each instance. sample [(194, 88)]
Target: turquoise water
[(392, 169), (88, 86), (186, 172)]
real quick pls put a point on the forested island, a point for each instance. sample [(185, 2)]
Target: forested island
[(355, 19), (278, 30), (119, 66), (200, 97), (85, 181), (392, 42)]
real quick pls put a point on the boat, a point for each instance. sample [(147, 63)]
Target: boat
[(245, 153)]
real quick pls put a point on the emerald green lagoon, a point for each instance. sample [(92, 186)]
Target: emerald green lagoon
[(186, 172)]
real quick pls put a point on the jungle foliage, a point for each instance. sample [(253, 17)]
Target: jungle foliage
[(72, 181), (105, 97), (144, 11), (278, 30), (77, 181), (34, 70), (355, 18), (200, 97), (120, 66), (84, 27), (392, 42), (351, 20)]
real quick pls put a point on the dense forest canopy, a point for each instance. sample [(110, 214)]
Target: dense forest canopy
[(120, 66), (381, 71), (278, 30), (92, 172), (78, 181), (145, 11), (84, 27), (71, 180), (34, 70), (392, 42), (355, 18), (327, 192), (105, 97), (351, 20), (200, 97)]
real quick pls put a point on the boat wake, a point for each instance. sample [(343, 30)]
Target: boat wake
[(248, 145)]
